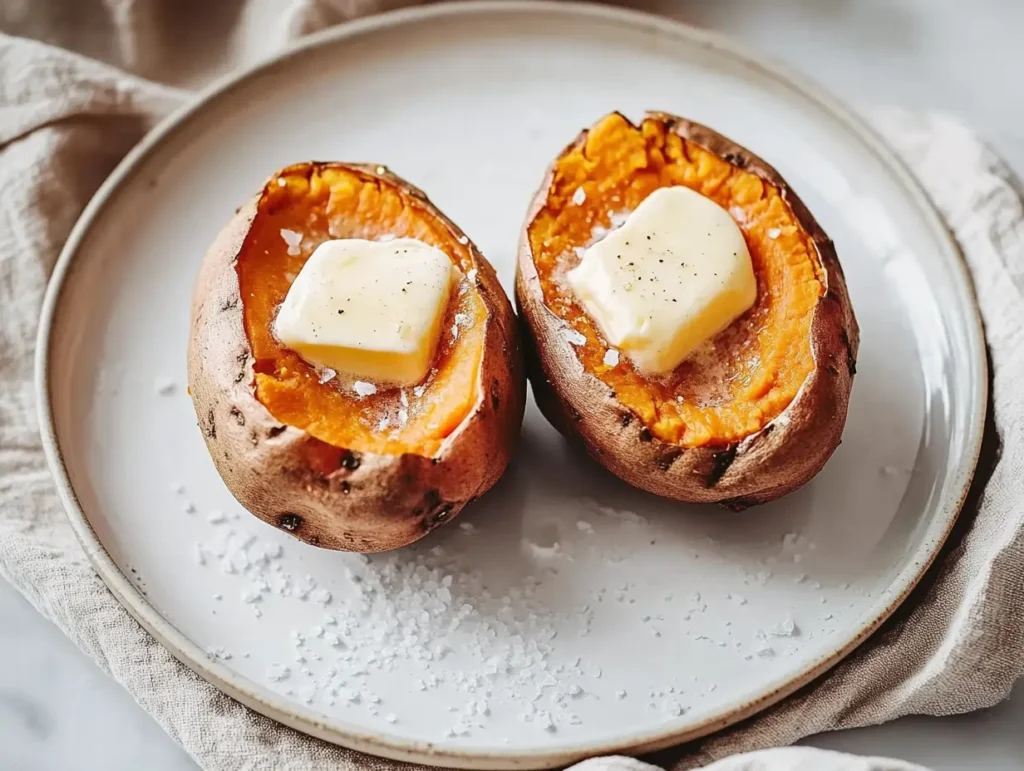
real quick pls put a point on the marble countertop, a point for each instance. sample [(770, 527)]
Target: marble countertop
[(58, 711)]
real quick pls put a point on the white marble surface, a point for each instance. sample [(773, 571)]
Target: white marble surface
[(58, 711)]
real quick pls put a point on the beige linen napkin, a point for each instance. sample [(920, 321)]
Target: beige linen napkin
[(65, 121)]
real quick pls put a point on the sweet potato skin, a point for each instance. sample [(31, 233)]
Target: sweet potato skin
[(329, 496), (786, 453)]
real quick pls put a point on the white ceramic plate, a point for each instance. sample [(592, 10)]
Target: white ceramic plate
[(565, 614)]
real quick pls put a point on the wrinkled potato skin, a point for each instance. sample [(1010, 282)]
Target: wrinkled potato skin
[(785, 454), (327, 496)]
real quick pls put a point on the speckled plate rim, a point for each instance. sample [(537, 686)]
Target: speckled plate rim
[(307, 720)]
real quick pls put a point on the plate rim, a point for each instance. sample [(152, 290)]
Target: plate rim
[(305, 719)]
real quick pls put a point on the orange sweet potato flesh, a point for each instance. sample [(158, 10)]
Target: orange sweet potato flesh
[(321, 203), (738, 382)]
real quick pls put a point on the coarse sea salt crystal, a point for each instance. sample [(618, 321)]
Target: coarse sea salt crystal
[(774, 233), (293, 240), (463, 240), (574, 337), (327, 375), (786, 628), (362, 388), (611, 358), (579, 196), (471, 275)]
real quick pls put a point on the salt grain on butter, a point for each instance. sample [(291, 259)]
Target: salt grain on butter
[(292, 239), (363, 389)]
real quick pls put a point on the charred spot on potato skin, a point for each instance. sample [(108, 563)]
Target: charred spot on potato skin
[(346, 488), (210, 429), (434, 507), (243, 357), (665, 461), (350, 461), (237, 415), (495, 398), (229, 304), (627, 418), (439, 518), (290, 522), (737, 504), (254, 438), (645, 434), (851, 361), (432, 499), (720, 463), (575, 414), (275, 431), (736, 159), (240, 376), (832, 369)]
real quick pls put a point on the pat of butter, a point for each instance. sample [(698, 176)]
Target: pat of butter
[(369, 309), (673, 276)]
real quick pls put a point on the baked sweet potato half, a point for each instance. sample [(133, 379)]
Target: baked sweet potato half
[(340, 470), (759, 410)]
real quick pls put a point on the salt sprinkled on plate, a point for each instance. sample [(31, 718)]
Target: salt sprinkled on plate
[(765, 651), (579, 196), (574, 337), (673, 708), (362, 388), (611, 358), (293, 240), (327, 375), (387, 237)]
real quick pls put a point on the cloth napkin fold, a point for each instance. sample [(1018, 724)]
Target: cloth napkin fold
[(65, 121)]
